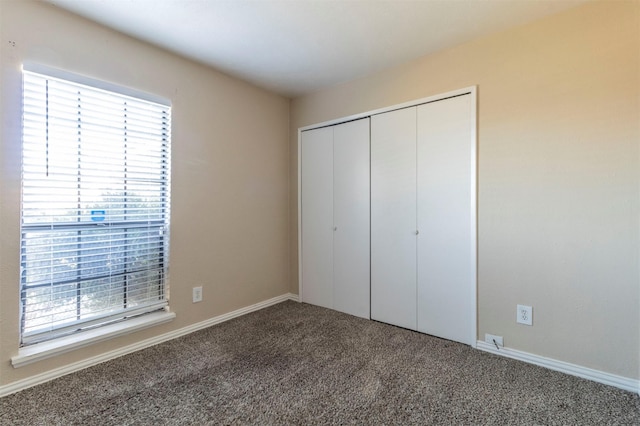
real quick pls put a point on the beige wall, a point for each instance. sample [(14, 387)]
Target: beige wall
[(558, 200), (229, 224)]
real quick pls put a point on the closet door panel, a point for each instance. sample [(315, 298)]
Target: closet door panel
[(317, 216), (393, 217), (351, 273), (445, 213)]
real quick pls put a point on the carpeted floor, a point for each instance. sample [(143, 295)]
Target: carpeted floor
[(299, 364)]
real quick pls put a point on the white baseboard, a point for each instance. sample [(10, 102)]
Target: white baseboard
[(631, 385), (89, 362)]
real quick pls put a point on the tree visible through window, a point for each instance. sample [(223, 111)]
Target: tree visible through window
[(95, 206)]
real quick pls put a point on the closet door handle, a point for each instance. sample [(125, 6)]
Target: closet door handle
[(417, 232), (335, 228)]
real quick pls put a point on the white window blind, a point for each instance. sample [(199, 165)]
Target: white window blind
[(95, 207)]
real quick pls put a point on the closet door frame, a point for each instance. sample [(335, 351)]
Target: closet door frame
[(471, 91)]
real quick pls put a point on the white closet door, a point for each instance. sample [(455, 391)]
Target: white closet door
[(351, 271), (393, 217), (317, 216), (445, 212)]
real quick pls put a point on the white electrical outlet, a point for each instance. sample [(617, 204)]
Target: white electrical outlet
[(494, 340), (524, 315), (197, 294)]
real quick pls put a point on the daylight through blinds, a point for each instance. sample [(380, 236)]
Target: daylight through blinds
[(95, 206)]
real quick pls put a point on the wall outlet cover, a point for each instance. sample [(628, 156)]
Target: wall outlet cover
[(524, 315), (489, 338), (197, 294)]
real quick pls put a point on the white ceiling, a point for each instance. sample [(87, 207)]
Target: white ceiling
[(294, 47)]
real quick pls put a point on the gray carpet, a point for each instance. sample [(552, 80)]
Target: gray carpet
[(299, 364)]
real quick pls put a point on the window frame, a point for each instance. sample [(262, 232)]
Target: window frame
[(162, 224)]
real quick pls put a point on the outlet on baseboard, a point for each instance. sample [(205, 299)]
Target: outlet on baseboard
[(494, 340), (197, 294)]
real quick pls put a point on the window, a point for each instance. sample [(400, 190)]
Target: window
[(95, 205)]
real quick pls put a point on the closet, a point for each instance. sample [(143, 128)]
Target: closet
[(334, 212), (387, 215)]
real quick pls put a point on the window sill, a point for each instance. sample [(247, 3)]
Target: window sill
[(44, 350)]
